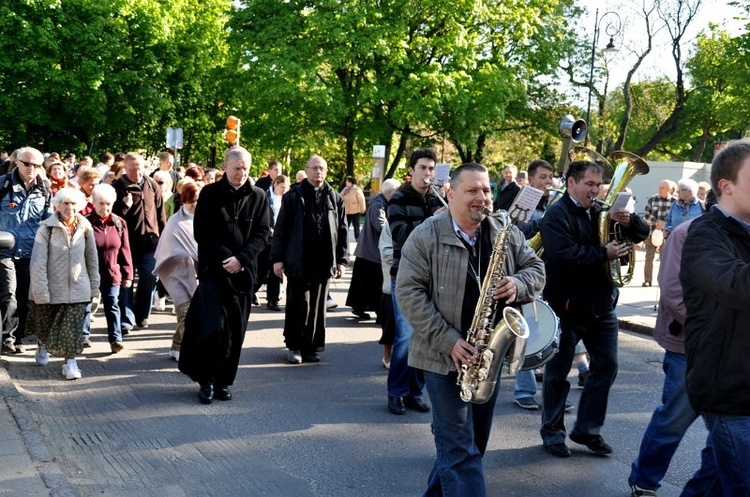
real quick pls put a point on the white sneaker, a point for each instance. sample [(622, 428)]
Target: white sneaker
[(175, 354), (330, 304), (71, 371), (42, 356), (160, 304)]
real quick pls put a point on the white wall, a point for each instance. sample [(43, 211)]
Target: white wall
[(645, 185)]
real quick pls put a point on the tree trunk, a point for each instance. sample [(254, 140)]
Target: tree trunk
[(397, 157), (481, 141)]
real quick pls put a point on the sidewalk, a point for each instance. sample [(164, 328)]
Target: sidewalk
[(27, 466), (636, 310)]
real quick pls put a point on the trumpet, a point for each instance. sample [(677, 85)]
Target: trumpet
[(436, 190)]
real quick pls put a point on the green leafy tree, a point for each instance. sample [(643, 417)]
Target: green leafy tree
[(402, 74), (90, 76)]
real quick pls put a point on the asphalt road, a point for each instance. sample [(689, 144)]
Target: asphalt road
[(132, 426)]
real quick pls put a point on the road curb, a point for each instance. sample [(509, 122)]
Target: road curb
[(636, 327), (33, 440)]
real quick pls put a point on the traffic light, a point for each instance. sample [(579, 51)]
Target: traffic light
[(232, 133)]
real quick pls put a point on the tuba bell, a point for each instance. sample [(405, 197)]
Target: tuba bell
[(627, 166)]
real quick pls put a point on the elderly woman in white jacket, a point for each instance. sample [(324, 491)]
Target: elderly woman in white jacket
[(64, 279)]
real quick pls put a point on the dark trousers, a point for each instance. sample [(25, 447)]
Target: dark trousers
[(273, 288), (353, 220), (136, 305), (305, 315), (15, 279), (599, 335)]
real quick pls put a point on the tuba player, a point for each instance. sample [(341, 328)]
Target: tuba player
[(580, 292)]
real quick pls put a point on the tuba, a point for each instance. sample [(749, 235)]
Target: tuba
[(627, 166), (478, 382)]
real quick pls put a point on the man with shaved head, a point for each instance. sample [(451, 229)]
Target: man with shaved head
[(309, 246)]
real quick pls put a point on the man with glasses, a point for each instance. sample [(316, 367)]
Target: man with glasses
[(24, 203)]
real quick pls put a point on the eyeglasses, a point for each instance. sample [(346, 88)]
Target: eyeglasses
[(29, 164)]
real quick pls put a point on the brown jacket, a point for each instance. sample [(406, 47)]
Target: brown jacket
[(146, 217), (354, 201)]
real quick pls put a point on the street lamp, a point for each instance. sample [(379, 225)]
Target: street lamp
[(611, 29)]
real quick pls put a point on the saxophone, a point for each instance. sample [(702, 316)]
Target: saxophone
[(478, 382)]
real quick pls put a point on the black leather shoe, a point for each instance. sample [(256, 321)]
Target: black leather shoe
[(362, 314), (396, 405), (222, 393), (273, 306), (558, 449), (206, 394), (595, 443), (314, 357), (417, 405)]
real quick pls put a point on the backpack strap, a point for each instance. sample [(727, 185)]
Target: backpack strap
[(118, 224)]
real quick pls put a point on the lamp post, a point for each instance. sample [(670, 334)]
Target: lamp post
[(611, 29)]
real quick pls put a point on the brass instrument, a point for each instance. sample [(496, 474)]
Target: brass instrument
[(574, 154), (627, 167), (436, 190), (478, 382)]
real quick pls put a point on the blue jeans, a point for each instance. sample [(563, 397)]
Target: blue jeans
[(136, 306), (403, 380), (87, 321), (525, 384), (730, 437), (110, 300), (599, 335), (668, 425), (461, 430)]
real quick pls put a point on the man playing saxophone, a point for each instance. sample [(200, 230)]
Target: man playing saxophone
[(443, 265), (581, 293)]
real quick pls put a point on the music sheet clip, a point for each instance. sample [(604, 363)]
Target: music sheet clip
[(524, 204)]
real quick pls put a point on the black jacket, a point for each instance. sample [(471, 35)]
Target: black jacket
[(505, 197), (231, 222), (715, 277), (288, 242), (407, 209), (578, 286)]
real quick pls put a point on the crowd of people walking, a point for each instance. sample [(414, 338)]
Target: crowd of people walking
[(75, 236)]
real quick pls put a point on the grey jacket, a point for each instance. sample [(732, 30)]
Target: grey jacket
[(430, 286), (64, 270)]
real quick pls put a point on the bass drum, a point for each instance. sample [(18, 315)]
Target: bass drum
[(544, 337)]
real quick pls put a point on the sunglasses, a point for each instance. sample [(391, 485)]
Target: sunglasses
[(29, 164)]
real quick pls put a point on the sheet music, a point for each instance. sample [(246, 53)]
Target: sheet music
[(442, 173), (524, 204)]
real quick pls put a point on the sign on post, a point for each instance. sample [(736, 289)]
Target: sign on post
[(174, 138)]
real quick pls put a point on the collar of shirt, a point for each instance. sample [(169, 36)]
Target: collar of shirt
[(470, 240), (742, 222), (580, 206)]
